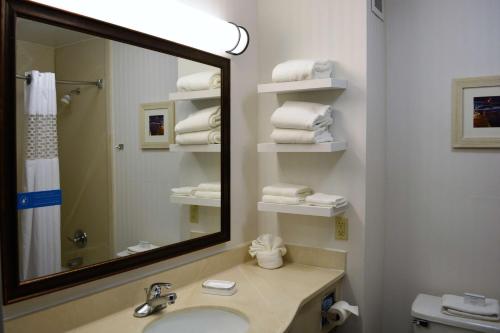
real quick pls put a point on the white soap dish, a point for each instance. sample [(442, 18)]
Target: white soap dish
[(219, 287)]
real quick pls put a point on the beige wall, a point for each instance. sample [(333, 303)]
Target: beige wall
[(335, 30), (84, 151), (443, 211)]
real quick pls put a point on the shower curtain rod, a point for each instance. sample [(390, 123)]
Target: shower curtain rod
[(99, 83)]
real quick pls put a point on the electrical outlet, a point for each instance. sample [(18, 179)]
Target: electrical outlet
[(341, 227), (193, 214)]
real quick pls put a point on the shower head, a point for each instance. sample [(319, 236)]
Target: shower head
[(66, 99)]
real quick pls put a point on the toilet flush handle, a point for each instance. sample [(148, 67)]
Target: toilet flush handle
[(420, 322)]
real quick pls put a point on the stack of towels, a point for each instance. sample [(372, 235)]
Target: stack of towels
[(290, 194), (303, 69), (199, 81), (201, 127), (302, 122), (211, 190), (476, 308), (269, 251), (285, 194)]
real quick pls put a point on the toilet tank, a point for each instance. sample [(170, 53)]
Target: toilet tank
[(428, 318)]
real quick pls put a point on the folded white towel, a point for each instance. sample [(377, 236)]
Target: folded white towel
[(302, 115), (183, 191), (199, 138), (210, 187), (141, 247), (199, 81), (202, 120), (282, 200), (302, 69), (266, 243), (322, 199), (281, 135), (287, 190), (456, 306), (207, 194)]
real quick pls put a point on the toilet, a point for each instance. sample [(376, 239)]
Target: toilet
[(428, 318)]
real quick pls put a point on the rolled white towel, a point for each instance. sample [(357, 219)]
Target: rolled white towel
[(202, 120), (322, 199), (282, 200), (210, 187), (281, 135), (199, 138), (456, 306), (302, 115), (302, 69), (287, 190), (266, 243), (207, 194), (199, 81), (184, 191)]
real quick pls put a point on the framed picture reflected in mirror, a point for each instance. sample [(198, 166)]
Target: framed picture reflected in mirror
[(157, 122)]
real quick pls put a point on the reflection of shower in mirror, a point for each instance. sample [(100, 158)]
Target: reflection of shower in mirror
[(66, 99)]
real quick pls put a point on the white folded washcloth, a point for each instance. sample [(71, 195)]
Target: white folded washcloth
[(266, 243), (141, 247), (302, 115), (282, 200), (281, 135), (322, 199), (207, 194), (287, 190), (302, 69), (202, 120), (210, 187), (199, 138), (183, 191), (199, 81), (456, 306)]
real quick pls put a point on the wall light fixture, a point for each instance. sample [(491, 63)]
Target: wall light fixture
[(167, 19)]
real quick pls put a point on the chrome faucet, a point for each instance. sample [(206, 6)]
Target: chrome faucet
[(155, 300)]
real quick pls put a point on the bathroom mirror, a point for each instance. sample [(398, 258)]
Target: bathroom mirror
[(114, 149)]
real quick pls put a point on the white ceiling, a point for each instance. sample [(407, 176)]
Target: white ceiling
[(40, 33)]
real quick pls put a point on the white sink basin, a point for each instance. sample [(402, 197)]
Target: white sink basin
[(199, 320)]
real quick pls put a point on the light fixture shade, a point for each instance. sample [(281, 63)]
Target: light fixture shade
[(167, 19)]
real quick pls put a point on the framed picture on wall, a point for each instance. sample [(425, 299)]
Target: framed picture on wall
[(378, 8), (156, 125), (476, 112)]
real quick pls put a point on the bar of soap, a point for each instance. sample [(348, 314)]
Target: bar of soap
[(219, 287)]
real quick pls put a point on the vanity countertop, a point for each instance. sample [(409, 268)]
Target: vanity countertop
[(268, 298)]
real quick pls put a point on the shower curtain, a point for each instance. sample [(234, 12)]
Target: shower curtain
[(40, 228)]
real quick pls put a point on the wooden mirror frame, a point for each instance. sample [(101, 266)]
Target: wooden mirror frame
[(15, 290)]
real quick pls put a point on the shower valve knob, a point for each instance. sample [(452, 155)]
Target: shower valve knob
[(79, 239)]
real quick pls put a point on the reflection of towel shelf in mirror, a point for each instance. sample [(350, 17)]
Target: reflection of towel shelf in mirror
[(195, 201), (304, 85), (327, 147), (299, 209), (194, 95), (211, 148)]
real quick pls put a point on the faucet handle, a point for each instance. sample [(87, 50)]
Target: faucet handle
[(155, 289)]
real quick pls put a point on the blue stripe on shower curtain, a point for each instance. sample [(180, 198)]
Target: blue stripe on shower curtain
[(28, 200)]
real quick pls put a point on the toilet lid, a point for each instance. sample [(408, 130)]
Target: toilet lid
[(428, 307)]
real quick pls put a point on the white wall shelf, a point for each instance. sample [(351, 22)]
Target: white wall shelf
[(305, 85), (195, 201), (327, 147), (299, 209), (194, 95), (212, 148)]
